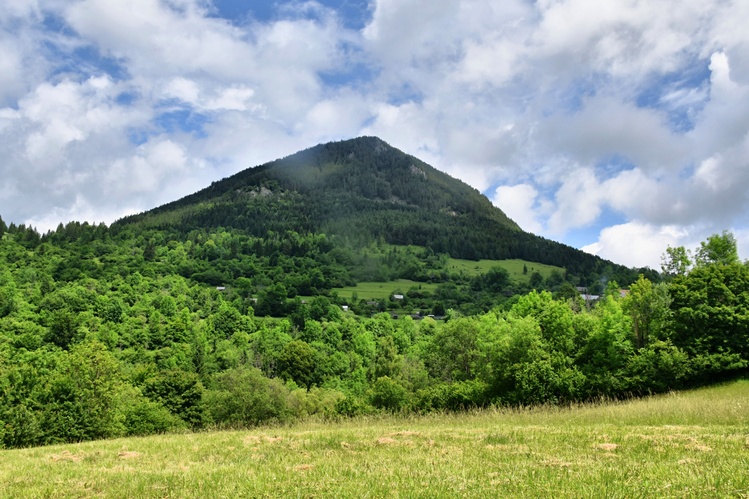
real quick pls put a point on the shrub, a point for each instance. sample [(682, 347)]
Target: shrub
[(315, 401), (351, 406), (388, 394), (452, 396), (657, 368), (145, 417), (179, 391), (244, 397)]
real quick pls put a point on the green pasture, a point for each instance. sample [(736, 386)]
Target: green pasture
[(690, 444), (476, 267), (514, 267), (383, 290), (370, 290)]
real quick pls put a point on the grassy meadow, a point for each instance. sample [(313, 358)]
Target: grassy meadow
[(689, 444), (383, 290), (513, 267)]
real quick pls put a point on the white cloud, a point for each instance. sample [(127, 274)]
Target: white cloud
[(11, 69), (407, 32), (183, 89), (638, 244), (522, 204), (234, 98), (578, 202), (207, 61), (79, 209), (155, 167), (635, 244), (14, 9), (623, 39), (410, 126), (334, 118), (605, 127)]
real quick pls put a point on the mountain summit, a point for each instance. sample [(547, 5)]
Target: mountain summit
[(363, 190)]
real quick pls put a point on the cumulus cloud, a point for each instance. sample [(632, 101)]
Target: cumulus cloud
[(605, 127), (636, 244), (521, 203)]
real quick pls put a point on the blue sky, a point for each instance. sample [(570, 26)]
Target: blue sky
[(618, 127)]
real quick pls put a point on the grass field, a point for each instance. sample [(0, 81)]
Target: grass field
[(382, 290), (514, 267), (691, 444)]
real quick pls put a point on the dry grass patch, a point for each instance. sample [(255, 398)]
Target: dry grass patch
[(66, 455), (405, 434), (251, 440), (698, 447), (556, 463), (687, 461), (608, 447)]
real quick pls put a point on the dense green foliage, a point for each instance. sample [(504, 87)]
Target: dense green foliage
[(219, 310), (123, 331)]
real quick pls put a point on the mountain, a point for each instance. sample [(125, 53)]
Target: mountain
[(364, 190)]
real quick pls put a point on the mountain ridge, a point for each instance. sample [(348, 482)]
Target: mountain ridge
[(309, 168), (364, 190)]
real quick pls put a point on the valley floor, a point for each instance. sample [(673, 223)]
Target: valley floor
[(689, 444)]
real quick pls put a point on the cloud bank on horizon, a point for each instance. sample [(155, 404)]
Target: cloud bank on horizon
[(619, 126)]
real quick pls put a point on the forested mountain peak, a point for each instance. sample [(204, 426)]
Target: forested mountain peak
[(365, 169), (363, 190)]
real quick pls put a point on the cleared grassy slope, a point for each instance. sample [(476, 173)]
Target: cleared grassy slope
[(470, 268), (382, 290), (691, 444), (514, 267)]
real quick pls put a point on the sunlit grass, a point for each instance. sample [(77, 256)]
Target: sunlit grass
[(383, 290), (513, 267), (691, 444)]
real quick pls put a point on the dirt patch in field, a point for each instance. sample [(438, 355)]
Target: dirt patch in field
[(303, 467), (128, 454), (386, 441)]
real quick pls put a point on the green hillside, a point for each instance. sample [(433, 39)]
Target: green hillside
[(363, 191), (166, 323)]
